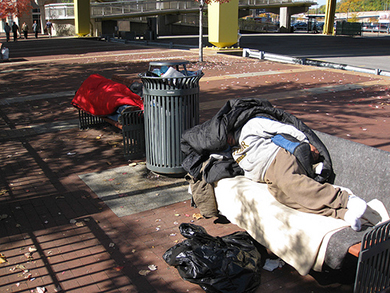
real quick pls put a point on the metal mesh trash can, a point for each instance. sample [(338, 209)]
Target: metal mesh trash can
[(171, 105)]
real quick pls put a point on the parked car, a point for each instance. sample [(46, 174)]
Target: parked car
[(320, 25), (377, 27), (299, 26)]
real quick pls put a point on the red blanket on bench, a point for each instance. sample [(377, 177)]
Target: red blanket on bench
[(101, 96)]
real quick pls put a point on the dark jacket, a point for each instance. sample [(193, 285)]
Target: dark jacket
[(210, 137)]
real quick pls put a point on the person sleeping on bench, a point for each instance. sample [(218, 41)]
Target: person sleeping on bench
[(271, 146), (281, 156)]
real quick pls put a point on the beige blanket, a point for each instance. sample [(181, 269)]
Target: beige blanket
[(294, 236)]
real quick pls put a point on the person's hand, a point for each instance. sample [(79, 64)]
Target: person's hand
[(230, 139)]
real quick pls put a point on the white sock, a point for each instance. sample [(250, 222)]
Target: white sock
[(356, 208), (356, 205), (353, 221)]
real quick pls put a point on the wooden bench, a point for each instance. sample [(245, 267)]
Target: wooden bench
[(364, 170), (130, 122)]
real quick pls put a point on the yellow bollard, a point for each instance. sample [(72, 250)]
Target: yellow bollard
[(82, 14), (223, 23)]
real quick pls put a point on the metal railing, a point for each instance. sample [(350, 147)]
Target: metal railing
[(136, 8), (311, 62)]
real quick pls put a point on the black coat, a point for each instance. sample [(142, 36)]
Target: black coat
[(198, 142)]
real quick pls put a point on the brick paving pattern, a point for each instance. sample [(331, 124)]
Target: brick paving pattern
[(81, 245)]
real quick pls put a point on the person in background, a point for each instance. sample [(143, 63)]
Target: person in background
[(35, 28), (48, 27), (15, 29), (7, 30), (25, 30)]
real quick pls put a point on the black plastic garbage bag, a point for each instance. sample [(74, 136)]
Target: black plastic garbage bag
[(218, 264)]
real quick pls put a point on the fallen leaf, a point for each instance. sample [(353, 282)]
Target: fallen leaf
[(32, 249), (21, 267), (143, 272), (197, 216), (40, 289), (119, 268), (3, 191), (3, 259)]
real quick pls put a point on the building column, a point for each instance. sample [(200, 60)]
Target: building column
[(82, 15), (329, 17), (284, 19)]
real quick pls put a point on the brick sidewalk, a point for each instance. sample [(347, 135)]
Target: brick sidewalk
[(81, 244)]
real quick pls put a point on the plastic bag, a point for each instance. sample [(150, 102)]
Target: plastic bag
[(218, 264)]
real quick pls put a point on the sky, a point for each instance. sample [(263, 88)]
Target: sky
[(320, 2)]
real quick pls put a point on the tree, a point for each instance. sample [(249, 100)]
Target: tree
[(201, 9), (12, 7), (349, 6)]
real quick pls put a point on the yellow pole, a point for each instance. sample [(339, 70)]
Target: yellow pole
[(329, 17), (223, 23), (82, 15)]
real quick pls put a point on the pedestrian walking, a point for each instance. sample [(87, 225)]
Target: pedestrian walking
[(7, 30), (15, 29), (35, 28), (48, 27), (25, 30)]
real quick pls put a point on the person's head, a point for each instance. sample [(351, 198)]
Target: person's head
[(314, 153)]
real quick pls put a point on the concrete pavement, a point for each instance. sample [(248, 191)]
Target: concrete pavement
[(82, 243)]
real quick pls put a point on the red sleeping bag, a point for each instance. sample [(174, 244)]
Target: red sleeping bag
[(101, 96)]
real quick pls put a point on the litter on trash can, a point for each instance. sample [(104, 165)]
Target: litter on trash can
[(172, 72), (229, 263)]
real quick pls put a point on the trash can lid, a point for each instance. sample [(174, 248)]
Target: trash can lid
[(168, 62)]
